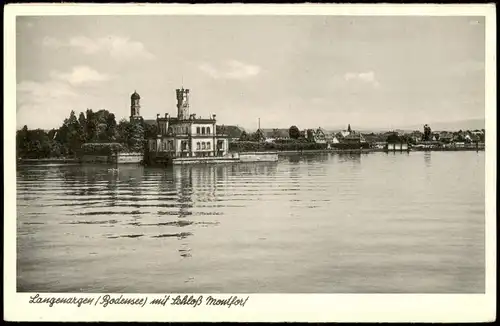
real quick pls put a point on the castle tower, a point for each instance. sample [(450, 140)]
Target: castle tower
[(182, 103), (135, 106)]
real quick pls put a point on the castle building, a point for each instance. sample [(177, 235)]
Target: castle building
[(185, 135)]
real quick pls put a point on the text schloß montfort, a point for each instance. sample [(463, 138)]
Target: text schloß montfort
[(195, 301), (231, 301)]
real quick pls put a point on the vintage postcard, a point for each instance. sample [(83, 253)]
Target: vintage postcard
[(309, 163)]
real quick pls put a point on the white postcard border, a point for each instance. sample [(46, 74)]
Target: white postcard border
[(260, 307)]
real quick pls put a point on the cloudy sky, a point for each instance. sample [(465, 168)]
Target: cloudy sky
[(305, 70)]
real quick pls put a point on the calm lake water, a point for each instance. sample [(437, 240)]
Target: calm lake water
[(331, 223)]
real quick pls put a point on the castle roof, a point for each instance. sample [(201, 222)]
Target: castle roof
[(275, 132)]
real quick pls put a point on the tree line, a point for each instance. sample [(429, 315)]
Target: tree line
[(89, 127)]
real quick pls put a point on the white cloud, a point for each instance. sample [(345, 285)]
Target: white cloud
[(51, 42), (80, 75), (116, 46), (43, 104), (366, 77), (209, 70), (46, 104), (232, 69)]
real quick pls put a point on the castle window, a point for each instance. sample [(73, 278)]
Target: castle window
[(198, 146), (198, 130), (208, 130)]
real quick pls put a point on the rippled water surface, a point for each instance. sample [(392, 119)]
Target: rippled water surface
[(370, 223)]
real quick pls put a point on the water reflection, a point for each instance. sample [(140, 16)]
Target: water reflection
[(183, 180), (427, 158), (353, 223), (350, 157)]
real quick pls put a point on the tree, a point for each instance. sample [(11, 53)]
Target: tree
[(22, 141), (83, 126), (244, 136), (110, 131), (150, 131), (294, 132), (310, 135), (36, 144), (276, 133), (135, 136), (70, 135), (122, 131), (482, 136), (393, 138), (92, 126), (427, 133), (255, 136)]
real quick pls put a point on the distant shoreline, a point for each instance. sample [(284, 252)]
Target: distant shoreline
[(366, 150), (48, 160), (311, 151)]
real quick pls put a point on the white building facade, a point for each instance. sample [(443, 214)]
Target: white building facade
[(187, 135)]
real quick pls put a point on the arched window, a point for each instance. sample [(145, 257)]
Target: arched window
[(198, 130), (203, 130), (208, 145), (198, 146), (203, 145), (208, 130)]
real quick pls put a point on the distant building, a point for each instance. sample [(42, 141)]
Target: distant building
[(233, 133), (319, 136), (344, 133), (350, 136), (271, 135), (354, 138), (446, 137), (185, 135), (416, 136)]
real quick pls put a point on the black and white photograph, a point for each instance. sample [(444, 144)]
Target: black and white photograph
[(250, 154)]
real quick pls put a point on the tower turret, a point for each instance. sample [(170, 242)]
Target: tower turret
[(135, 106), (182, 103)]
